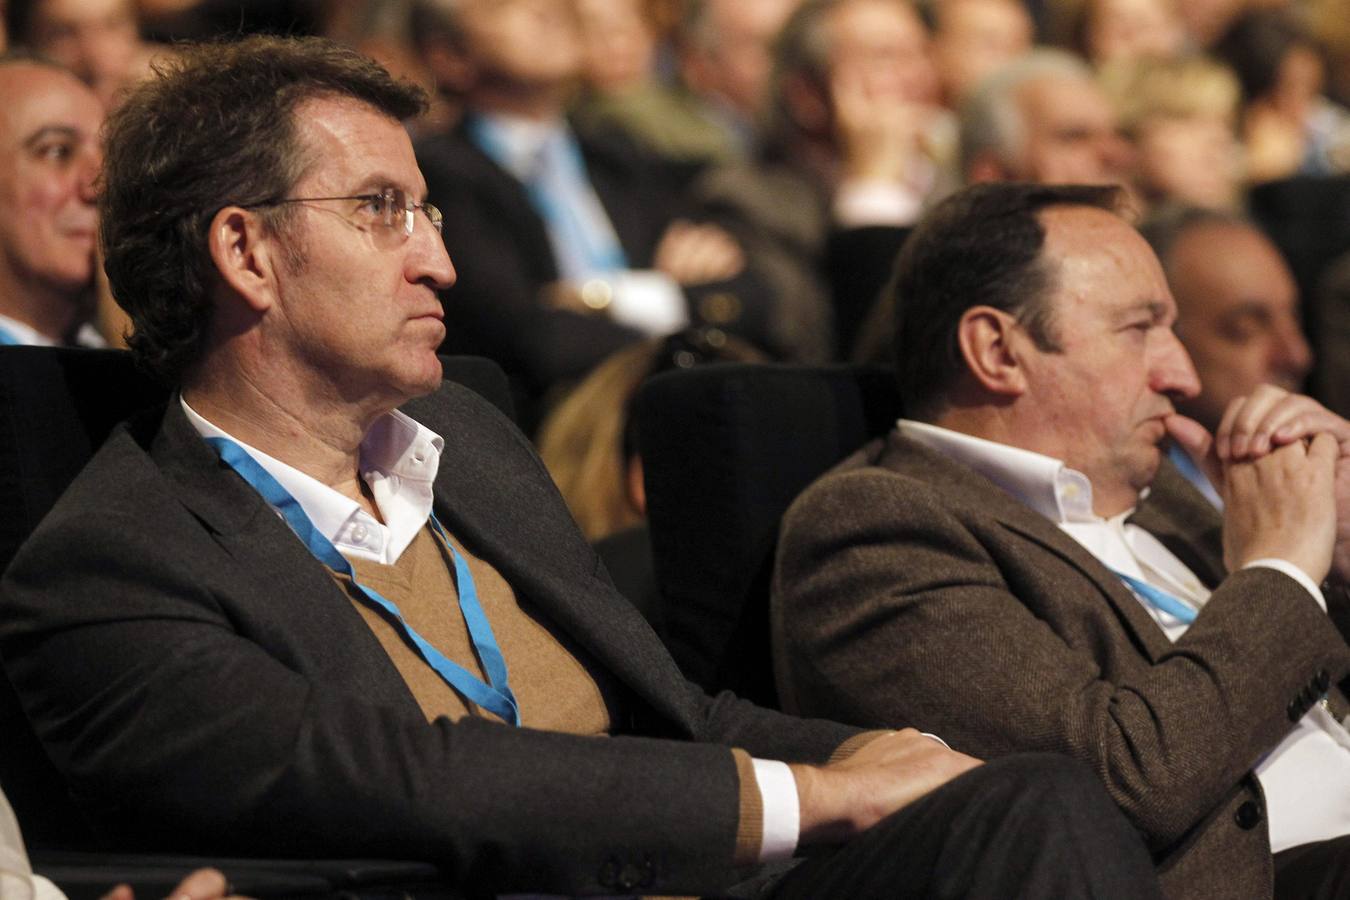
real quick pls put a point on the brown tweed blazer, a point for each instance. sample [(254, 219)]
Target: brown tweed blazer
[(910, 589)]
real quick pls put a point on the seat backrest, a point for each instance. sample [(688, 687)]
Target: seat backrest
[(57, 406), (725, 450)]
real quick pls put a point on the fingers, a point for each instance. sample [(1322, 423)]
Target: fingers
[(697, 254), (121, 892), (1271, 417), (203, 884)]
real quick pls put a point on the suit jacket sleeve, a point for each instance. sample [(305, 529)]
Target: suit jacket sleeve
[(892, 601), (204, 686)]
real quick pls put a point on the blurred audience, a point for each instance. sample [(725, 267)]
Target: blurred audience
[(1237, 313), (619, 40), (49, 162), (98, 40), (972, 38), (1042, 118), (569, 244), (855, 148), (1289, 126), (1180, 115), (1109, 31)]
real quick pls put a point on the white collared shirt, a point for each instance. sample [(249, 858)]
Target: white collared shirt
[(17, 881), (1306, 778), (399, 458)]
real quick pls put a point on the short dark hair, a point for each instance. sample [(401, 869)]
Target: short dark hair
[(979, 247), (215, 127)]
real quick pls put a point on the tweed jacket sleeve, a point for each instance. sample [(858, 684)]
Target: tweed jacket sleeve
[(910, 588)]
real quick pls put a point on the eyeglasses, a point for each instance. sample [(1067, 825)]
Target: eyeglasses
[(390, 213)]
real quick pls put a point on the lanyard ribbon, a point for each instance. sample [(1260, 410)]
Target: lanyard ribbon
[(1160, 599), (7, 339), (496, 695)]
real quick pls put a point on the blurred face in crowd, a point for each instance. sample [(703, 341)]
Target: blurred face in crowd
[(96, 39), (975, 37), (1069, 134), (1189, 159), (1099, 400), (520, 43), (617, 43), (731, 57), (884, 45), (1238, 315), (49, 160), (1133, 29)]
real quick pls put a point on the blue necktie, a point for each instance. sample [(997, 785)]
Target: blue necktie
[(1160, 599)]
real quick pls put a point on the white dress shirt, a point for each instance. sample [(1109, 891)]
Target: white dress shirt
[(1306, 778), (399, 459)]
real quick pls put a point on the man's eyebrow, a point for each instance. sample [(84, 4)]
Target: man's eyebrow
[(49, 131), (1156, 310)]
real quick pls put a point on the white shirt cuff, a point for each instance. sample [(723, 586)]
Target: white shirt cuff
[(648, 301), (1294, 572), (782, 811), (858, 204)]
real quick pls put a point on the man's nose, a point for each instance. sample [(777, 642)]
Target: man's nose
[(89, 168), (1171, 371), (1290, 353), (428, 257)]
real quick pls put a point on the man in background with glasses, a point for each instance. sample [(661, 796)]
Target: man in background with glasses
[(287, 618)]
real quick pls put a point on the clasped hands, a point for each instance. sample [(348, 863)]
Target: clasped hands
[(1281, 462)]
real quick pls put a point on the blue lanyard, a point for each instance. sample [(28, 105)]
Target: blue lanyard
[(1160, 599), (496, 696), (7, 339), (598, 252)]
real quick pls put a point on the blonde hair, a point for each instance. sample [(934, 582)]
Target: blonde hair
[(1171, 88), (582, 441)]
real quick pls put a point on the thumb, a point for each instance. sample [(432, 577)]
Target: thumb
[(1198, 443)]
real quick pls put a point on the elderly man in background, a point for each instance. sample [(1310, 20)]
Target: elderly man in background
[(1042, 118), (49, 162)]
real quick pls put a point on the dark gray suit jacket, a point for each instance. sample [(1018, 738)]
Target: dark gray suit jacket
[(909, 588), (204, 685)]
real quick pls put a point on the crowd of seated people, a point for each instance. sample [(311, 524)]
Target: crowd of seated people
[(587, 193)]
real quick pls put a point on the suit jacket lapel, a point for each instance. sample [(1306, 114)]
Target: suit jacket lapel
[(970, 488), (273, 566), (542, 554)]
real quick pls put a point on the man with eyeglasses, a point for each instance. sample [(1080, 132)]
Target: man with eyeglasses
[(286, 618)]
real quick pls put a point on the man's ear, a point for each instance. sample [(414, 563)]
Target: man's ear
[(990, 340), (243, 256), (807, 103)]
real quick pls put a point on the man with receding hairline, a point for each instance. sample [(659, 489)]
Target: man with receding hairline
[(1017, 563)]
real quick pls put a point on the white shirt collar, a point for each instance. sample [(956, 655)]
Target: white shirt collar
[(399, 460), (27, 335), (1045, 484)]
